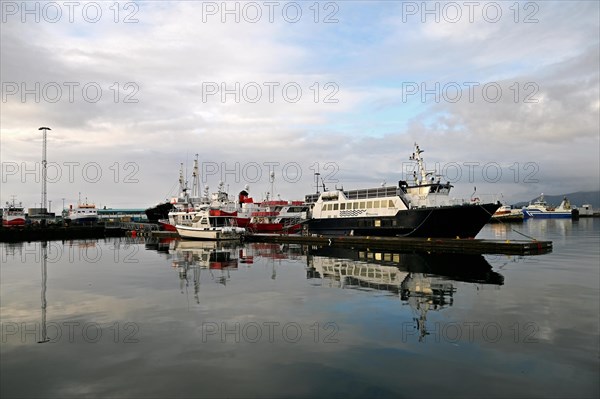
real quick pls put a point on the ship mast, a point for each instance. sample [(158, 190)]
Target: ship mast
[(195, 179), (416, 156), (272, 181)]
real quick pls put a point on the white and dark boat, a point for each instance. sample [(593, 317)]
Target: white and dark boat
[(13, 214), (540, 209), (210, 224), (420, 209), (83, 213)]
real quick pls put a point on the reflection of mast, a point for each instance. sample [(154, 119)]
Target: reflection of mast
[(425, 292), (422, 320), (197, 284), (44, 253)]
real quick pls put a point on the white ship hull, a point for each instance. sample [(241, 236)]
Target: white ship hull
[(209, 233)]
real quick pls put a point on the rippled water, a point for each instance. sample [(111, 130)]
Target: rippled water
[(141, 318)]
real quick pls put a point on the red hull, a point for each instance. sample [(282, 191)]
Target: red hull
[(13, 222), (272, 228), (167, 226), (242, 222)]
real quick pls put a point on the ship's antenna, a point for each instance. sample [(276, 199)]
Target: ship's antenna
[(195, 179), (181, 181), (317, 174), (272, 180)]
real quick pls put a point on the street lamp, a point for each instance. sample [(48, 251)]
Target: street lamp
[(44, 164)]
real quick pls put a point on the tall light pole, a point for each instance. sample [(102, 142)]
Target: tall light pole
[(44, 193)]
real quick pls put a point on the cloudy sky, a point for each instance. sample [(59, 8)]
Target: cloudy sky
[(503, 96)]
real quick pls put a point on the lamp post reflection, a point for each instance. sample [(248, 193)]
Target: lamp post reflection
[(44, 261)]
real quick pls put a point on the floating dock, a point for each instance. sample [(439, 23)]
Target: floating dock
[(438, 245), (50, 233)]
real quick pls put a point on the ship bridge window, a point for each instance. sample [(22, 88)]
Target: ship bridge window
[(390, 204), (362, 205), (324, 207), (342, 206), (335, 207), (376, 204), (355, 205), (369, 204)]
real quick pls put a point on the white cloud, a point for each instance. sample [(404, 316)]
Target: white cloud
[(170, 53)]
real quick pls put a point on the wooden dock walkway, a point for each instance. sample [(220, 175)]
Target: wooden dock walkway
[(440, 245)]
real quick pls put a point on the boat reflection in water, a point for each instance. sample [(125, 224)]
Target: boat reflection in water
[(425, 281), (190, 257)]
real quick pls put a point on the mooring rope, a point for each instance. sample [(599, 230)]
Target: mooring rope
[(513, 229)]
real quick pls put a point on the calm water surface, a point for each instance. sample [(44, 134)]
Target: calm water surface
[(140, 318)]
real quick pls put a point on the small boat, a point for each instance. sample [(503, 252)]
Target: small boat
[(540, 209), (210, 224), (506, 214), (13, 215)]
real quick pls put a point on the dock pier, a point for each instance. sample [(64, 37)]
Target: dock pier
[(439, 245)]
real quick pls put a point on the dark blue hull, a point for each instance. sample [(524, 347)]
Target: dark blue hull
[(535, 214), (463, 221), (83, 221)]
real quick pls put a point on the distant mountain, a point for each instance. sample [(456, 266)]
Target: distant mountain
[(579, 198)]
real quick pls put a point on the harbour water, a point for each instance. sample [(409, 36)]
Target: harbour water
[(125, 317)]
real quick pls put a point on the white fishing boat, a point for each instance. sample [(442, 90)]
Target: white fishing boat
[(540, 209), (210, 224)]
